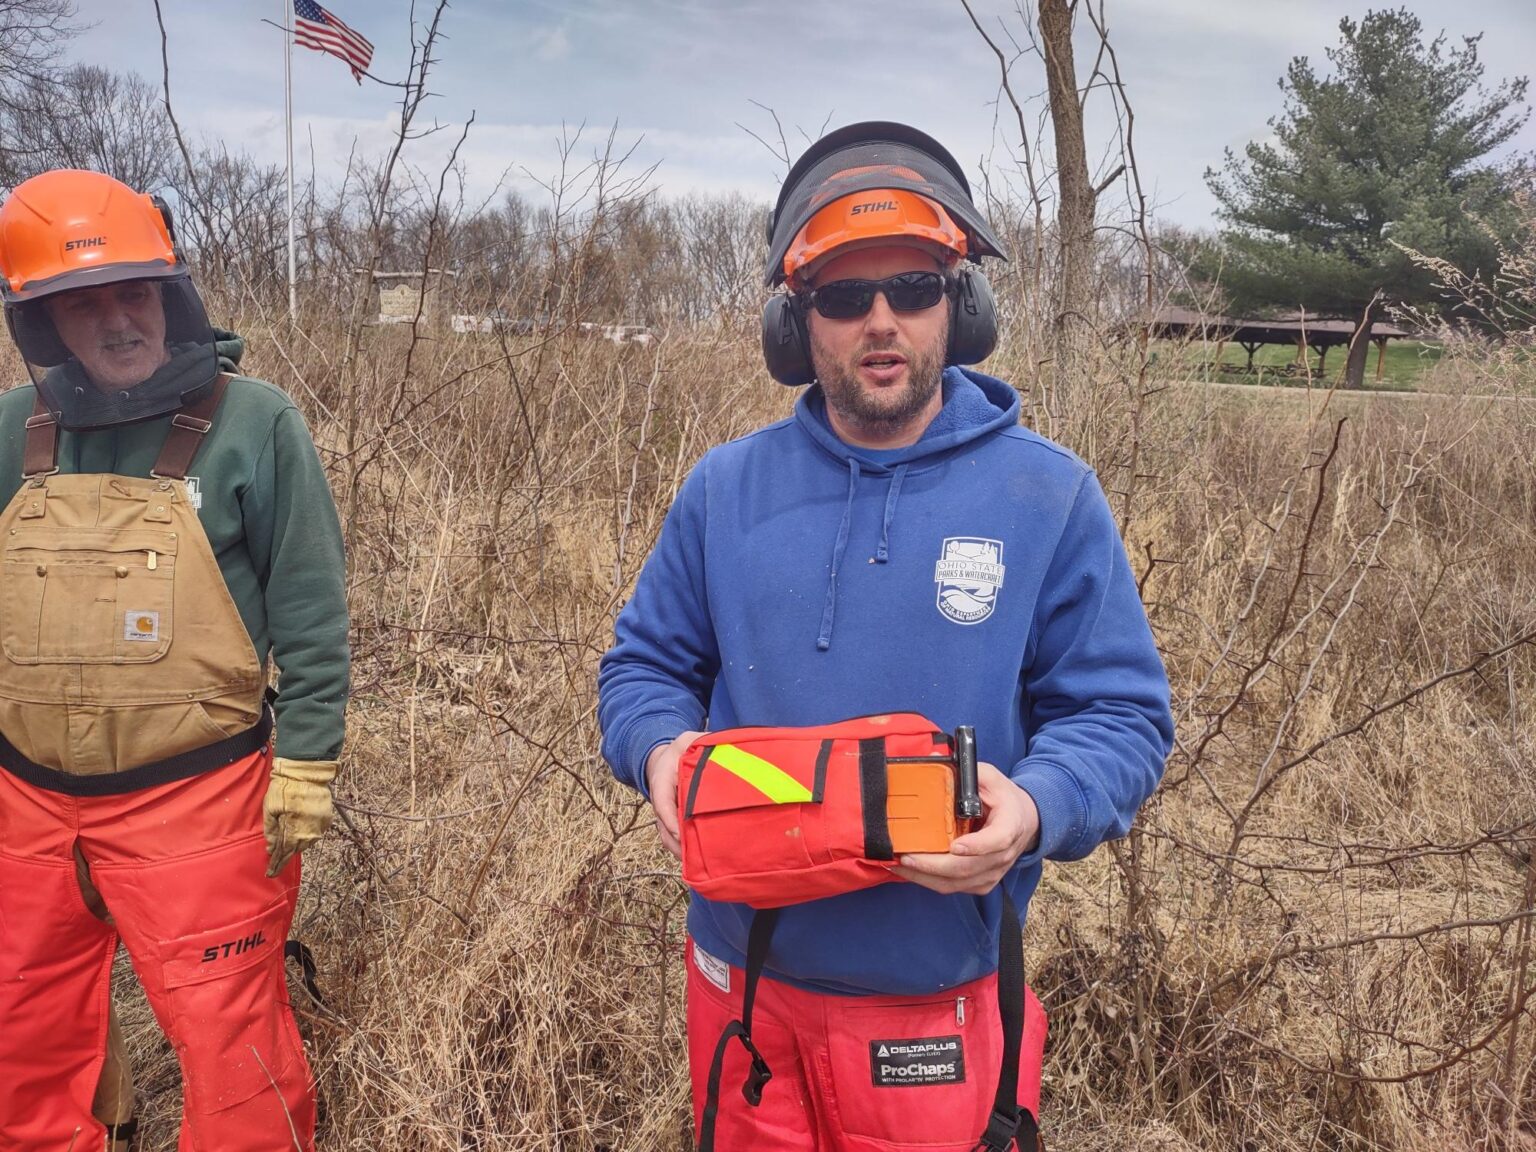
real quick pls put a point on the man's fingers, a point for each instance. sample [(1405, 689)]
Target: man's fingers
[(947, 866), (670, 841), (991, 837), (976, 884)]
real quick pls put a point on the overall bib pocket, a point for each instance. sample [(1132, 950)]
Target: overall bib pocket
[(88, 596)]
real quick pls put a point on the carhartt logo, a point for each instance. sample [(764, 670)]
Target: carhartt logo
[(233, 947), (143, 626), (878, 206), (88, 242)]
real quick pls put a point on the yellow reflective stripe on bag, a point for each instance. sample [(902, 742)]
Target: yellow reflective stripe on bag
[(769, 779)]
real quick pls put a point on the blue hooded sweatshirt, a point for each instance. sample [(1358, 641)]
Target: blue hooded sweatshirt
[(976, 577)]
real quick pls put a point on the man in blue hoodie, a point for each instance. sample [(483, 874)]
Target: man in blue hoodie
[(900, 543)]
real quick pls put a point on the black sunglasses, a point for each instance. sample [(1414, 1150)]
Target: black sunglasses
[(906, 292)]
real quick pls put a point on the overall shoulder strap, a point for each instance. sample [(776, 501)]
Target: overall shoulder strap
[(188, 427), (40, 456)]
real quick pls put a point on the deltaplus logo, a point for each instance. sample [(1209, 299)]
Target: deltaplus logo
[(910, 1062), (87, 242)]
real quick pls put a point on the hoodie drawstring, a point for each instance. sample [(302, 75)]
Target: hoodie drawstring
[(824, 638), (883, 553)]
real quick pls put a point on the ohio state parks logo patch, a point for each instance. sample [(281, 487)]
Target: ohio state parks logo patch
[(969, 573)]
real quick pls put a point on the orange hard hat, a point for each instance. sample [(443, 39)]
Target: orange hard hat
[(873, 217), (71, 229)]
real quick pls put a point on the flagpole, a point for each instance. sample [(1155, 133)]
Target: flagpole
[(288, 117)]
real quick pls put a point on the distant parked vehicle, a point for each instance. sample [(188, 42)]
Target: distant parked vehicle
[(621, 333)]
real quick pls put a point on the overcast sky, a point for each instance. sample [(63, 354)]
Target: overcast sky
[(677, 77)]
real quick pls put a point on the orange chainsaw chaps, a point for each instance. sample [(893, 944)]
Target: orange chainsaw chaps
[(777, 816), (182, 868)]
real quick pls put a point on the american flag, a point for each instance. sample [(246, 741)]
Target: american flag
[(316, 28)]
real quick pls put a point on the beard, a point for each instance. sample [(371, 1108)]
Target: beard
[(880, 412)]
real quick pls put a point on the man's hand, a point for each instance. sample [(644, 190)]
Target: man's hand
[(976, 861), (661, 782), (297, 809)]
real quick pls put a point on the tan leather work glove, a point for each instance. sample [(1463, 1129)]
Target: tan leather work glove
[(297, 810)]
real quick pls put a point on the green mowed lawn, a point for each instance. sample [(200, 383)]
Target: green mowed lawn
[(1404, 363)]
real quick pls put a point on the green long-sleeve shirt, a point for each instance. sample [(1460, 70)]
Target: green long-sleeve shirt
[(270, 518)]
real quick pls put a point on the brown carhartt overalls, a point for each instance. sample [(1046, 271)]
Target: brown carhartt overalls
[(136, 749)]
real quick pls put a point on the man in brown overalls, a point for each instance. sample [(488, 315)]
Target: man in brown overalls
[(169, 531)]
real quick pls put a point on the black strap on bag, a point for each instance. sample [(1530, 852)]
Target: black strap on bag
[(758, 937), (123, 1131), (1008, 1122)]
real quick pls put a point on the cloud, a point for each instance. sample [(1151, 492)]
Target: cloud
[(679, 76), (554, 46)]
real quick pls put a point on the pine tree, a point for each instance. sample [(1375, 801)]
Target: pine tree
[(1392, 146)]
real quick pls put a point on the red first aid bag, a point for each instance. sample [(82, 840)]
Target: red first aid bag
[(776, 816)]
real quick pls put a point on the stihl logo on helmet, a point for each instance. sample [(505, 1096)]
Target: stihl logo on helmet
[(56, 228), (879, 206)]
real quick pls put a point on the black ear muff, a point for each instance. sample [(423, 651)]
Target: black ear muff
[(170, 221), (36, 338), (973, 319), (786, 343)]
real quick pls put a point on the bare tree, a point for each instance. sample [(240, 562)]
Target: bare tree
[(237, 220), (1076, 202), (88, 117), (32, 34)]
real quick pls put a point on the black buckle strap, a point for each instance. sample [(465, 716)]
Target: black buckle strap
[(758, 938), (1008, 1120), (298, 951), (123, 1131), (999, 1133)]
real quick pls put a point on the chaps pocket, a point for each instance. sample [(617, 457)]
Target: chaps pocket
[(229, 996), (916, 1066)]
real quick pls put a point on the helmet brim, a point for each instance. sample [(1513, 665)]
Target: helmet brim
[(92, 278)]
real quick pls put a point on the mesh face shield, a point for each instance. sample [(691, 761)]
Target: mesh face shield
[(864, 157), (81, 395)]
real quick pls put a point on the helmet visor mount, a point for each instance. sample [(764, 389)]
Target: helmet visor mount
[(873, 157)]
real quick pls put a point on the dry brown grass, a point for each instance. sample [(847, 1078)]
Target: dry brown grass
[(1315, 939)]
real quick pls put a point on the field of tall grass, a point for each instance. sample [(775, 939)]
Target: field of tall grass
[(1319, 937)]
